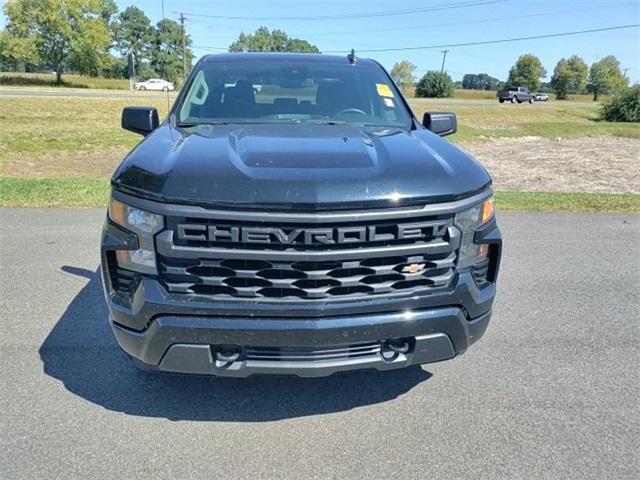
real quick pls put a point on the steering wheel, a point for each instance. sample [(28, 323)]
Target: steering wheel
[(351, 110)]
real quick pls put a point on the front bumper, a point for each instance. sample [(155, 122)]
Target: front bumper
[(190, 344)]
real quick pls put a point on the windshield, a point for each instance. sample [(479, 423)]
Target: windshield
[(291, 92)]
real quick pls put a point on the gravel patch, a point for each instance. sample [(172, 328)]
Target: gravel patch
[(585, 164), (100, 163)]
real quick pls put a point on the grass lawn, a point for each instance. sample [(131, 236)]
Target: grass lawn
[(488, 118), (65, 136), (54, 192), (69, 80)]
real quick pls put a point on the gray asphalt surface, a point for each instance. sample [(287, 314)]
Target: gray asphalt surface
[(88, 93), (551, 391), (36, 92)]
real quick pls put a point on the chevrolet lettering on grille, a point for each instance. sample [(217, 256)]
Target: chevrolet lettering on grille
[(305, 236)]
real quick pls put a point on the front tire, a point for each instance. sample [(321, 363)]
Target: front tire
[(165, 89), (501, 100), (143, 88), (514, 100), (531, 100)]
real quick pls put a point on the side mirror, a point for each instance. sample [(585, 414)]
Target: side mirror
[(440, 123), (142, 120)]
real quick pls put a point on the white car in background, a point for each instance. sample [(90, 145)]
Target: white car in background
[(154, 84), (541, 97)]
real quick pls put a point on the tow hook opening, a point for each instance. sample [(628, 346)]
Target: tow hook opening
[(392, 349), (226, 353)]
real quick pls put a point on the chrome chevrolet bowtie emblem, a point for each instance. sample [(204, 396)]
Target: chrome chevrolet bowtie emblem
[(413, 268)]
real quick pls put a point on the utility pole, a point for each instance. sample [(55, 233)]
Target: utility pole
[(131, 68), (444, 57), (184, 57)]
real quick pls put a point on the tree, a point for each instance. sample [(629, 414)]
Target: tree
[(133, 33), (561, 78), (15, 50), (623, 107), (605, 76), (108, 11), (480, 81), (300, 46), (569, 76), (58, 32), (263, 40), (402, 74), (166, 51), (435, 84), (527, 72)]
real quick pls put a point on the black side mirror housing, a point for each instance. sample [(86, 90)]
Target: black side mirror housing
[(142, 120), (440, 123)]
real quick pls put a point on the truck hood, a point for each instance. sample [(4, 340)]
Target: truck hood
[(298, 166)]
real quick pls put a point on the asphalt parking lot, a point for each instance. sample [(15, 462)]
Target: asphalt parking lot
[(551, 391)]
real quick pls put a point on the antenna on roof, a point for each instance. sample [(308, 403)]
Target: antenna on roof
[(352, 57)]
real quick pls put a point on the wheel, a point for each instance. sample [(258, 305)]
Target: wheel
[(143, 87), (165, 89), (514, 100), (531, 100), (501, 100)]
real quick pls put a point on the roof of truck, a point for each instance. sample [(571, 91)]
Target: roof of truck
[(293, 57)]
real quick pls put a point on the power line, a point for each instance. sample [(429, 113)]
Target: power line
[(490, 42), (467, 44), (468, 22), (207, 47), (359, 15)]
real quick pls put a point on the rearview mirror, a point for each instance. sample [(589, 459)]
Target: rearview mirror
[(440, 123), (142, 120)]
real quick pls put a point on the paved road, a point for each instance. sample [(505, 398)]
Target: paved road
[(37, 92), (550, 392), (80, 93)]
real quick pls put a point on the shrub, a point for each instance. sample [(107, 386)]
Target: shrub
[(623, 107), (435, 84)]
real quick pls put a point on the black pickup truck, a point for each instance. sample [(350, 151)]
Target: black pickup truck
[(515, 95), (291, 215)]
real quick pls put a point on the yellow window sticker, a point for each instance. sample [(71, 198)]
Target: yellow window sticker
[(384, 90)]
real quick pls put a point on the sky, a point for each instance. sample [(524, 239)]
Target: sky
[(369, 26)]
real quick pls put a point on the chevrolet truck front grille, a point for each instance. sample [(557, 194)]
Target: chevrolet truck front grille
[(272, 271)]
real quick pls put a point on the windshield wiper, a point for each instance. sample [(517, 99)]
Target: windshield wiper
[(331, 122), (196, 124)]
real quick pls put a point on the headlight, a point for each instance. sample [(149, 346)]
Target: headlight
[(468, 221), (131, 218), (145, 225)]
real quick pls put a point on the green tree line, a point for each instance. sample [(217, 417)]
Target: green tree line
[(90, 37), (570, 76), (263, 40)]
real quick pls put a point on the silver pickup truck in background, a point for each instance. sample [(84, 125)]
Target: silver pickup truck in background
[(515, 95)]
